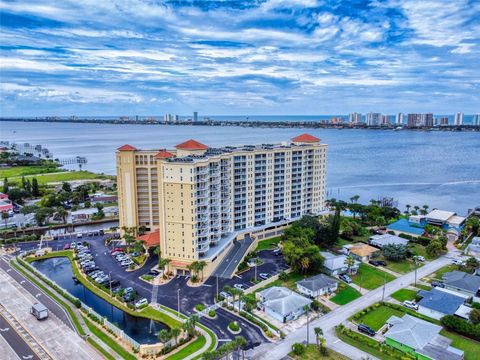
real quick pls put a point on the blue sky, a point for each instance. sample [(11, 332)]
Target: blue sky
[(126, 57)]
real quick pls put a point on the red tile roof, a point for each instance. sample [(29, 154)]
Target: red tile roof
[(306, 138), (191, 145), (127, 147), (164, 154), (179, 263), (150, 239)]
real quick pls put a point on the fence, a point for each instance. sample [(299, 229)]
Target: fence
[(117, 331)]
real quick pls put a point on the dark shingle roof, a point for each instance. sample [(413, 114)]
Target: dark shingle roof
[(317, 282), (462, 280), (440, 301)]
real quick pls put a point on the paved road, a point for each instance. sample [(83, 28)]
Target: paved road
[(16, 342), (329, 321), (46, 300), (227, 266)]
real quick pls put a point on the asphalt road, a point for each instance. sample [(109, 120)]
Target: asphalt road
[(329, 321), (16, 342), (46, 300)]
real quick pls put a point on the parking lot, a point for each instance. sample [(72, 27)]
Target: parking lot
[(176, 289)]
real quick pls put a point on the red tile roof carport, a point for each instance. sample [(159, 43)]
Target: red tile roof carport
[(127, 147), (191, 145), (150, 239), (306, 138)]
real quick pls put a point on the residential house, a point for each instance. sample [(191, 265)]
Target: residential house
[(444, 218), (317, 285), (420, 338), (438, 302), (473, 249), (386, 239), (462, 282), (362, 252), (336, 264), (283, 304), (5, 204)]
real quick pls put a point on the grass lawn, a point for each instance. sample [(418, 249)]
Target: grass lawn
[(401, 267), (423, 287), (419, 250), (268, 243), (469, 346), (19, 171), (370, 278), (97, 346), (345, 295), (312, 353), (404, 294), (189, 350), (70, 176), (290, 282), (379, 316), (108, 340), (439, 273)]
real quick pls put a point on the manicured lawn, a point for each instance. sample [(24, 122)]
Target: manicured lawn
[(370, 278), (345, 295), (70, 176), (423, 287), (190, 349), (419, 250), (268, 243), (290, 282), (379, 316), (401, 267), (19, 171), (404, 294), (469, 346), (108, 340), (362, 345), (312, 353)]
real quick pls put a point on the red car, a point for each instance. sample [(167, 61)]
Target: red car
[(116, 249), (66, 247)]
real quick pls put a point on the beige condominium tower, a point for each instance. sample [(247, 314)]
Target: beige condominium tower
[(198, 202)]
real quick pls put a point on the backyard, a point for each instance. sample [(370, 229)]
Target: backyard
[(379, 316), (370, 278), (469, 346), (345, 294)]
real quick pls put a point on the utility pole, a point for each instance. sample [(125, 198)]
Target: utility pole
[(384, 283), (255, 271), (217, 286), (415, 272), (178, 302)]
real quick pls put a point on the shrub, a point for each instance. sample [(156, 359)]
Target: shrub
[(461, 326), (233, 326), (422, 240), (405, 236), (283, 276), (199, 307), (212, 313), (298, 349)]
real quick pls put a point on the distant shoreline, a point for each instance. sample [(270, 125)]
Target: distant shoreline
[(322, 124)]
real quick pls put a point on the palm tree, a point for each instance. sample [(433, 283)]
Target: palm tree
[(62, 213), (241, 343), (175, 332), (200, 266), (304, 264), (350, 262), (354, 198), (164, 335), (167, 264), (5, 217), (228, 289), (318, 333), (234, 293), (425, 209), (408, 206)]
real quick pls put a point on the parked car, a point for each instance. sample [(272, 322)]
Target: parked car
[(366, 329), (240, 286), (458, 262), (153, 272), (117, 249), (66, 247), (225, 294), (115, 253), (345, 278), (377, 263), (126, 263), (438, 284), (419, 258), (128, 290), (73, 244), (277, 252), (79, 235), (141, 302), (410, 305), (264, 276)]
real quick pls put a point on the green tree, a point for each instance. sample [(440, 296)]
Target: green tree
[(5, 217), (395, 252), (471, 264), (42, 214), (350, 262), (5, 186), (62, 213), (66, 187), (35, 188), (474, 316), (164, 335), (175, 333), (434, 249), (201, 266)]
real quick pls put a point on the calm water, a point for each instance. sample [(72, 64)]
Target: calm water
[(139, 329), (441, 169)]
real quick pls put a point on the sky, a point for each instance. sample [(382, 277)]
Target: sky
[(272, 57)]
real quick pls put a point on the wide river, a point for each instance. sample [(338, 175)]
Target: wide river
[(441, 169)]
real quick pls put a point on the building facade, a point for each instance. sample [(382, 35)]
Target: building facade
[(200, 199)]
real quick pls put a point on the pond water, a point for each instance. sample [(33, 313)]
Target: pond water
[(142, 330)]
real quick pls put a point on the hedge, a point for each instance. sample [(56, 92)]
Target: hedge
[(461, 326)]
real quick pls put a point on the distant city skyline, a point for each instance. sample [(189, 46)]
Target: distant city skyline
[(268, 57)]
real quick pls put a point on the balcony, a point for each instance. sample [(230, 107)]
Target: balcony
[(204, 232), (215, 238), (203, 248), (202, 171), (202, 202), (202, 217), (215, 181), (215, 223), (202, 187), (202, 194)]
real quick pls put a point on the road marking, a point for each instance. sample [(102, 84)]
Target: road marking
[(5, 330), (224, 340), (27, 357), (22, 282), (8, 270), (207, 285), (38, 295)]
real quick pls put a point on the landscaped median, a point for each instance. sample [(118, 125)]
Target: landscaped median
[(162, 315)]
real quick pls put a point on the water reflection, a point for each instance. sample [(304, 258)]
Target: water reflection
[(59, 270)]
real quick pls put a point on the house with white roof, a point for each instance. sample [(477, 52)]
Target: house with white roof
[(283, 304), (386, 239), (336, 264), (318, 285), (420, 338), (444, 218)]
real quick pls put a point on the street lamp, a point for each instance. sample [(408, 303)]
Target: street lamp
[(178, 304), (110, 281)]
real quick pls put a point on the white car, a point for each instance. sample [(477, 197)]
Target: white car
[(458, 262), (410, 305), (141, 302), (79, 235), (419, 258)]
